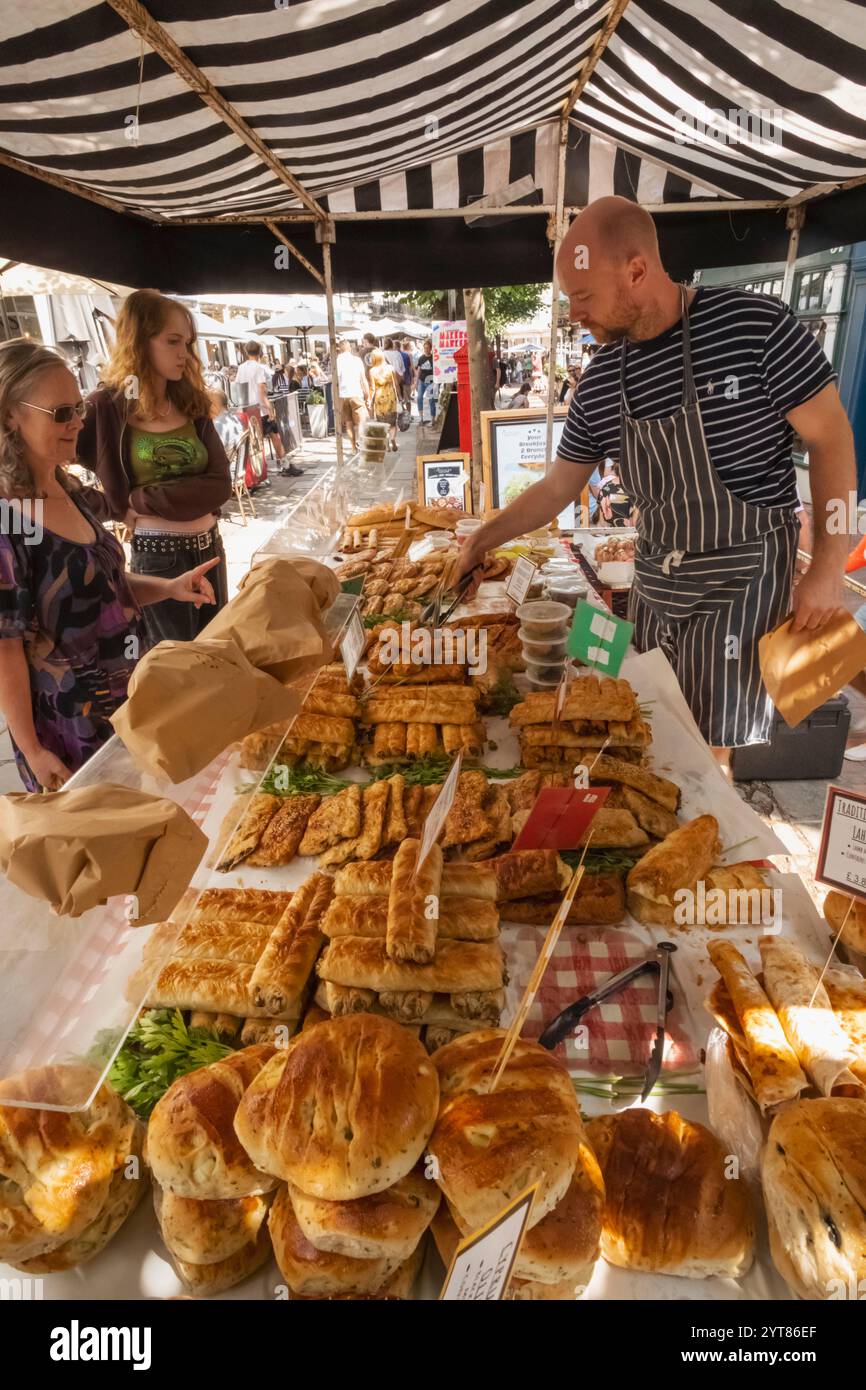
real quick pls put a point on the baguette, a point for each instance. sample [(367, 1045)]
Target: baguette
[(457, 966)]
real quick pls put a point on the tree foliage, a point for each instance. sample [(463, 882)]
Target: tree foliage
[(503, 304)]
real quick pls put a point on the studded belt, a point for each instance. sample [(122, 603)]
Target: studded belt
[(171, 543)]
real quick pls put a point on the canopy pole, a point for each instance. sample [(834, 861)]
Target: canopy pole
[(473, 305), (325, 234), (794, 222), (555, 233)]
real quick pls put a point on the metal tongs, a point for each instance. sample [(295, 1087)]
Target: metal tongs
[(431, 616), (570, 1017)]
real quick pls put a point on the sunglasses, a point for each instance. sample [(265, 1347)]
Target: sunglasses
[(61, 414)]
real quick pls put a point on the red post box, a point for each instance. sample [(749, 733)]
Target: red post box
[(464, 398)]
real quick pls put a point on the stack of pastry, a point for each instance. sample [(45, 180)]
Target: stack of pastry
[(503, 646), (421, 645), (342, 1116), (530, 884), (789, 1034), (667, 879), (672, 1204), (489, 1147), (322, 734), (410, 721), (211, 1202), (257, 972), (618, 824), (595, 713), (68, 1181), (420, 945)]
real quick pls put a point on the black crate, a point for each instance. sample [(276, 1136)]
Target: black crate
[(813, 749)]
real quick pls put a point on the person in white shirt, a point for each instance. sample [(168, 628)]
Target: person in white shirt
[(227, 425), (255, 376), (354, 392)]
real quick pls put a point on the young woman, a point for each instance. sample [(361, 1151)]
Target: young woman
[(71, 625), (424, 379), (149, 437), (385, 392)]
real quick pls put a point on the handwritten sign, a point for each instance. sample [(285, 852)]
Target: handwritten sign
[(483, 1263), (439, 812), (520, 579), (842, 852)]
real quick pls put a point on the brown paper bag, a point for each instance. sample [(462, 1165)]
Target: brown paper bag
[(276, 616), (802, 670), (75, 849), (187, 701)]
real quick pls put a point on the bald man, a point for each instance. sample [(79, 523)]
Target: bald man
[(697, 395)]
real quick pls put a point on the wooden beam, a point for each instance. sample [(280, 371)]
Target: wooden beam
[(591, 62), (79, 189), (145, 26), (476, 342), (558, 230), (327, 233), (823, 190), (299, 255)]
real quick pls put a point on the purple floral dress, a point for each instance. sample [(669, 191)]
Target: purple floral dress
[(82, 630)]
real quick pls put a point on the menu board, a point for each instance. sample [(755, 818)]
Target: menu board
[(448, 336), (513, 454), (443, 481)]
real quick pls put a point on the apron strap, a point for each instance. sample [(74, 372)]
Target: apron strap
[(689, 393)]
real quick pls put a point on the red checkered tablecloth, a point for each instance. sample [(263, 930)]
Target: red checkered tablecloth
[(620, 1032)]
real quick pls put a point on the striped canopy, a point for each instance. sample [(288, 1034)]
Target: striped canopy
[(242, 110)]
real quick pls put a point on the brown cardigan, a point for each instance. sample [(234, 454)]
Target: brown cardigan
[(103, 447)]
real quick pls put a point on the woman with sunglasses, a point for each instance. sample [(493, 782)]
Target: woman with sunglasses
[(71, 625), (150, 439)]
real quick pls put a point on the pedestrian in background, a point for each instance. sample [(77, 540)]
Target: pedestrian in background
[(424, 379), (354, 392), (385, 389)]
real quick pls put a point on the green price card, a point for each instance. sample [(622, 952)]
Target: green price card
[(599, 639)]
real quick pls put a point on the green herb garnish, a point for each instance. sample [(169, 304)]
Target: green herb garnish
[(503, 695), (302, 780), (601, 861), (377, 619), (159, 1048), (503, 773), (424, 772)]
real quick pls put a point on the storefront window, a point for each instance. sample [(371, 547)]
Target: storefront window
[(18, 318), (813, 290)]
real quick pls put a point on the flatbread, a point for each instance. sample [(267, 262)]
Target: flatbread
[(822, 1047), (848, 997), (776, 1074)]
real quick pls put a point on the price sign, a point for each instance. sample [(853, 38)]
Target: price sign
[(483, 1263), (352, 644), (520, 579), (842, 851), (439, 813), (561, 817), (598, 638)]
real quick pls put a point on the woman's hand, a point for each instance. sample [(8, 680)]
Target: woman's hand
[(192, 587), (48, 769)]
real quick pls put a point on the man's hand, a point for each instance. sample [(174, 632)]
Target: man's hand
[(817, 598), (472, 553)]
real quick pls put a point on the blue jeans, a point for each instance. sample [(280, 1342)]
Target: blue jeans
[(423, 385)]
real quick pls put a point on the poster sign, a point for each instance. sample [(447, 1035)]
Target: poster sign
[(443, 481), (842, 851), (448, 336), (513, 454)]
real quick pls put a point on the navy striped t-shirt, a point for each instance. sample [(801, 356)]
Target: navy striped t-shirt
[(752, 360)]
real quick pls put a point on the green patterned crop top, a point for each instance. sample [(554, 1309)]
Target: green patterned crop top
[(162, 458)]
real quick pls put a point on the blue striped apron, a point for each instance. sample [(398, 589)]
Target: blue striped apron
[(712, 573)]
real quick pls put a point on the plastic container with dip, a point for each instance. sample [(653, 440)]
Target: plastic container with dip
[(536, 679), (544, 621), (550, 649), (569, 590), (466, 527)]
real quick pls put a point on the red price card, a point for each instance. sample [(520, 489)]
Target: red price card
[(560, 817)]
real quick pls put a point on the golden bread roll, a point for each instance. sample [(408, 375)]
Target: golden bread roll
[(317, 1273), (56, 1168), (208, 1280), (344, 1111), (207, 1232), (192, 1147), (814, 1181), (677, 862), (670, 1206), (490, 1147), (389, 1223), (127, 1188)]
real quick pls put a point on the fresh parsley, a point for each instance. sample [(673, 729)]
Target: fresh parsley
[(158, 1049)]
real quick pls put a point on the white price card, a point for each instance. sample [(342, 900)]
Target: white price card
[(520, 579), (842, 852), (484, 1262), (439, 812), (352, 643)]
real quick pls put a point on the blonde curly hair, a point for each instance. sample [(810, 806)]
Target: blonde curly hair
[(142, 316), (22, 362)]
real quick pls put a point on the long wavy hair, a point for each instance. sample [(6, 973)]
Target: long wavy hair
[(142, 316), (22, 362)]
